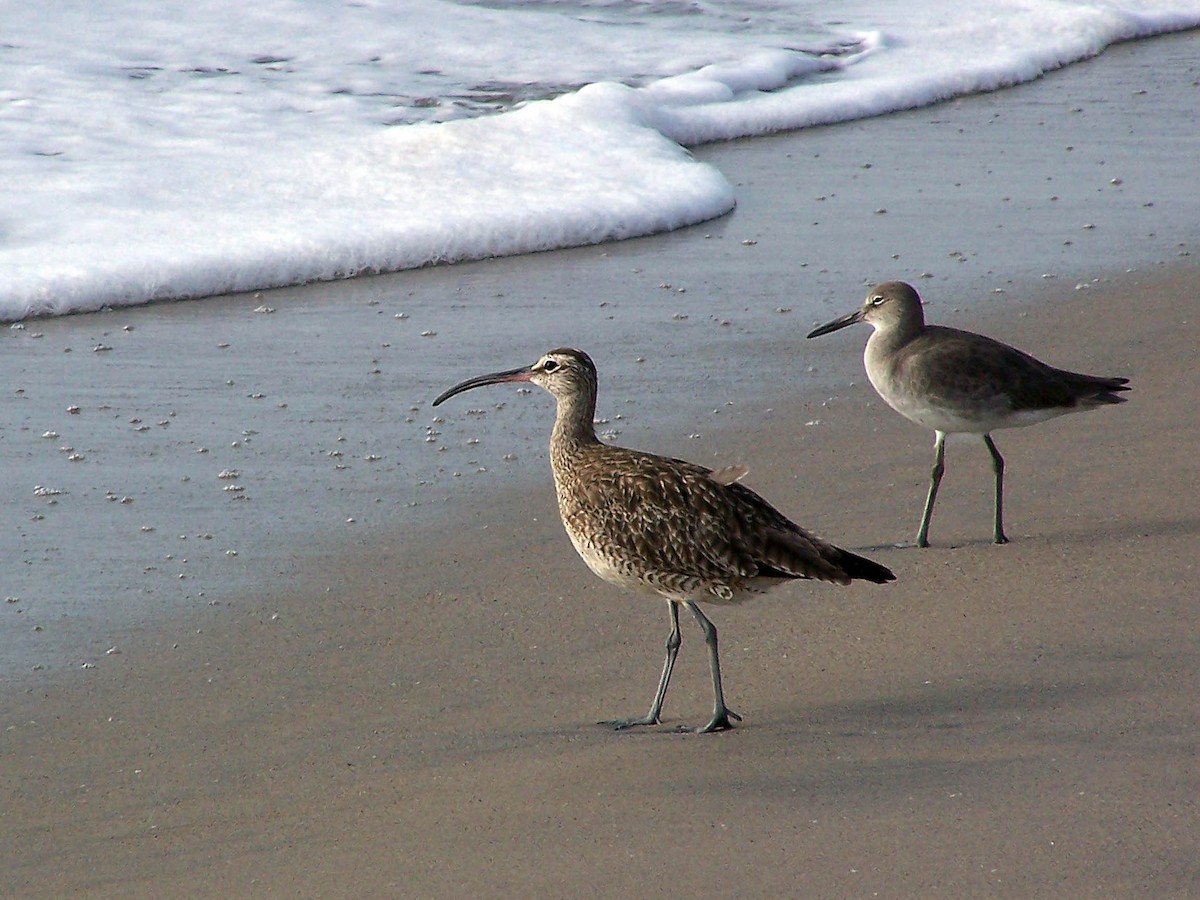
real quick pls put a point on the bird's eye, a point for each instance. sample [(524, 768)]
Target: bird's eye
[(877, 300), (549, 365)]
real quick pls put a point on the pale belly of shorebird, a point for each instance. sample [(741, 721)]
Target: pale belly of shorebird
[(607, 566), (958, 419), (667, 585)]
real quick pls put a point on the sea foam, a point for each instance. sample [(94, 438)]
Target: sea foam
[(323, 142)]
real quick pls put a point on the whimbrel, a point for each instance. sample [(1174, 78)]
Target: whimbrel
[(676, 530), (957, 381)]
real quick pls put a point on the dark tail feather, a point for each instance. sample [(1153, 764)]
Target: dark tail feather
[(868, 570), (1111, 386), (1094, 390)]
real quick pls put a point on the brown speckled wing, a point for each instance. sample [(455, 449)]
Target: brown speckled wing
[(673, 518)]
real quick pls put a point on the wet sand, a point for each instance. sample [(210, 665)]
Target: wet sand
[(390, 689)]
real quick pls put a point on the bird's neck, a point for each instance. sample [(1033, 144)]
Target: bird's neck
[(885, 341), (574, 430)]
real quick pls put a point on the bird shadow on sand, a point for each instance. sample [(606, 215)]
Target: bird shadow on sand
[(1126, 529), (1085, 535), (963, 736)]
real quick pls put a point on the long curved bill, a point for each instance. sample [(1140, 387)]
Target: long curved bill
[(837, 324), (524, 373)]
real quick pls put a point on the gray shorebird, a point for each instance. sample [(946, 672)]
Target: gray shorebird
[(679, 531), (957, 381)]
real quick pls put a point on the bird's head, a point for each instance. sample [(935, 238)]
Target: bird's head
[(566, 373), (886, 306)]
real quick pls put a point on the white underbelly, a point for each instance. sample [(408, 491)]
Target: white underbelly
[(959, 419), (606, 567)]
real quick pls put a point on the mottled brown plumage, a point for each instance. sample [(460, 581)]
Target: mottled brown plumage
[(956, 381), (667, 527)]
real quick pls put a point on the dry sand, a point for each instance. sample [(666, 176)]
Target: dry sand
[(404, 712)]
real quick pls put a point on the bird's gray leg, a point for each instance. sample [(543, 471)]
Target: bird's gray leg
[(998, 468), (935, 479), (721, 713), (673, 642)]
